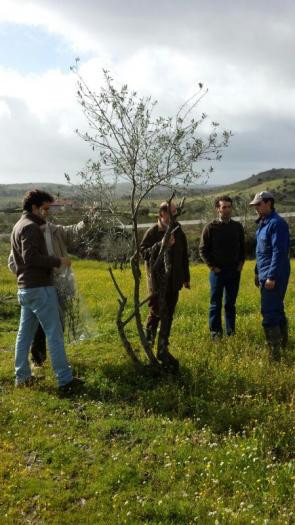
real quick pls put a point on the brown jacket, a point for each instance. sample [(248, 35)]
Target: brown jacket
[(33, 264)]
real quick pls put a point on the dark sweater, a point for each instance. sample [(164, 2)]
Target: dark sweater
[(222, 244), (178, 254), (33, 264)]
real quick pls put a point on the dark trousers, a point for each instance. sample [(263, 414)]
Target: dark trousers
[(272, 304), (225, 283), (38, 347), (161, 313)]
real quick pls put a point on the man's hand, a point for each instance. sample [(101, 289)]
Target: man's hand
[(65, 261), (215, 269), (171, 241), (269, 284), (256, 280), (240, 266), (187, 285)]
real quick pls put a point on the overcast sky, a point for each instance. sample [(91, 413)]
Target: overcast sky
[(243, 51)]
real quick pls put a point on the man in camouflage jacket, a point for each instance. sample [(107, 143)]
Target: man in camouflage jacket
[(166, 276)]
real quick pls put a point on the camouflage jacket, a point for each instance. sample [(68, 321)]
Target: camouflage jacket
[(177, 255)]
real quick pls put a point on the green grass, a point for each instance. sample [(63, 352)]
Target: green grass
[(215, 445)]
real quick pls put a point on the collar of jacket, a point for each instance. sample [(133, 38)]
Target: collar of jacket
[(265, 220), (161, 226), (223, 222), (218, 221), (33, 217), (164, 228)]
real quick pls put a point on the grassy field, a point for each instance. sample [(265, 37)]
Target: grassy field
[(215, 445)]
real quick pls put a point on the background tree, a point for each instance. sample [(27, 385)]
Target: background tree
[(133, 143)]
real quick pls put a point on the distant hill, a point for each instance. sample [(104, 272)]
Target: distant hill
[(281, 182), (263, 177), (200, 196), (11, 194)]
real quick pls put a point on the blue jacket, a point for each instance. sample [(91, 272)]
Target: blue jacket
[(272, 249)]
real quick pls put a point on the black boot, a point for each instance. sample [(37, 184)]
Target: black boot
[(38, 347), (274, 339), (284, 334), (163, 355)]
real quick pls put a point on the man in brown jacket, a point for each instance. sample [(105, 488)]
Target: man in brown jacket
[(57, 239), (164, 283), (36, 293)]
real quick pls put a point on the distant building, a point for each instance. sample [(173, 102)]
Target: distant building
[(63, 204)]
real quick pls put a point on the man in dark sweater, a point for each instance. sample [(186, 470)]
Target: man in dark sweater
[(222, 248), (36, 293), (164, 283)]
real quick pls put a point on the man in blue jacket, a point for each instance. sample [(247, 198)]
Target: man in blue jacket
[(272, 271)]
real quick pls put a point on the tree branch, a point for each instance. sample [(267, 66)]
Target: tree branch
[(133, 314)]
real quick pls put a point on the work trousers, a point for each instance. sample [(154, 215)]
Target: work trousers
[(161, 312), (272, 303)]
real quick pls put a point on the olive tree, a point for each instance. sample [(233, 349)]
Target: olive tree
[(133, 143)]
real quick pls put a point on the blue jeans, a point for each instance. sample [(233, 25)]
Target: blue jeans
[(272, 303), (40, 305), (226, 282)]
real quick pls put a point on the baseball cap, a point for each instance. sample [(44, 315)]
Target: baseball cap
[(259, 197)]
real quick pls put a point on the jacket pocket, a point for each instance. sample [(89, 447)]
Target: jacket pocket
[(264, 245)]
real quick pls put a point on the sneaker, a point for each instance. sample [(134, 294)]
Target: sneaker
[(38, 371), (28, 382), (72, 386)]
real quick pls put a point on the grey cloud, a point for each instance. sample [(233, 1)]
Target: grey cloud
[(258, 33), (270, 145), (247, 44), (254, 40), (31, 150)]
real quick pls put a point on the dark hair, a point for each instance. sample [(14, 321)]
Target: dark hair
[(272, 202), (36, 197), (225, 198)]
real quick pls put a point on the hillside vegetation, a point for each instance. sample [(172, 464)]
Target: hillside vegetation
[(281, 182)]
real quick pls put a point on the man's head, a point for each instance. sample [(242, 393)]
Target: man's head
[(164, 212), (37, 202), (263, 203), (223, 206)]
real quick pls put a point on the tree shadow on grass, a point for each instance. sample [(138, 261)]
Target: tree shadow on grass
[(222, 400), (221, 397)]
